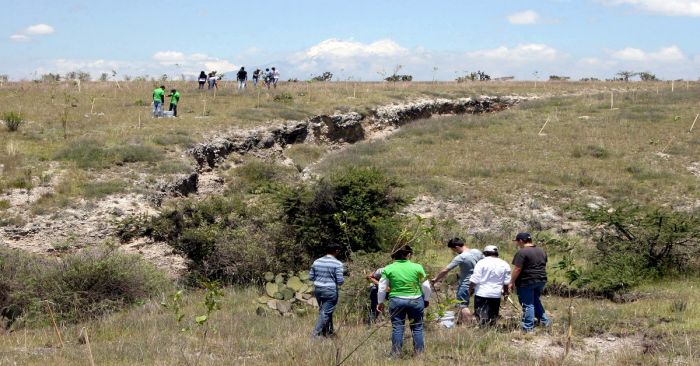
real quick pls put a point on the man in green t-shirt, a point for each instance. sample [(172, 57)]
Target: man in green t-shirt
[(174, 98), (409, 296), (158, 100)]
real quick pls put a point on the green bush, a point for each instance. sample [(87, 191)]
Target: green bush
[(12, 121), (636, 243), (78, 287), (224, 238), (353, 207)]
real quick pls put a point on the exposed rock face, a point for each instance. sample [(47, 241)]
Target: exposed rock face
[(333, 129)]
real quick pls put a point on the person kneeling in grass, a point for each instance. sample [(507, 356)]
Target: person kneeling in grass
[(410, 292), (488, 283)]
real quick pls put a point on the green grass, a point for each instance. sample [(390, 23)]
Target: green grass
[(502, 154)]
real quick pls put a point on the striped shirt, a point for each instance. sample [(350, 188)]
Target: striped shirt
[(327, 272)]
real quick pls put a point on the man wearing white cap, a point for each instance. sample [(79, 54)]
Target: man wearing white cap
[(488, 283)]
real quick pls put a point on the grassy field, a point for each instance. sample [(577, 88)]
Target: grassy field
[(637, 151), (662, 328)]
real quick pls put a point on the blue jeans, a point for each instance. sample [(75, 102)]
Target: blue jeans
[(327, 298), (529, 296), (463, 296), (157, 108), (399, 309)]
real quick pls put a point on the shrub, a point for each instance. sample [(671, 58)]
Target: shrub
[(12, 121), (224, 238), (353, 208), (635, 243), (395, 78), (326, 76), (79, 287), (283, 97)]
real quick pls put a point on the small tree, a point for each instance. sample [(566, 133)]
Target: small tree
[(626, 75), (104, 76), (326, 76), (647, 76)]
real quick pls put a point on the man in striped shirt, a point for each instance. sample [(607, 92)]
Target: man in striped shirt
[(327, 276)]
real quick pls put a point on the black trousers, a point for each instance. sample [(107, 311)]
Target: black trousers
[(373, 313), (173, 107), (486, 310)]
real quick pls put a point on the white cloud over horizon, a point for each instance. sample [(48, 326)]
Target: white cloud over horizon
[(667, 54), (374, 60), (33, 30), (524, 17), (663, 7)]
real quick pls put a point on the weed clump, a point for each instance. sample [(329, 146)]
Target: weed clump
[(13, 121), (79, 287)]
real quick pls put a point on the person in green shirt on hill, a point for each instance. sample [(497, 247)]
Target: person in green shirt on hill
[(174, 98), (158, 100), (410, 293)]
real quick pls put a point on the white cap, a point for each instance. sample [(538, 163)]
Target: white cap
[(491, 249)]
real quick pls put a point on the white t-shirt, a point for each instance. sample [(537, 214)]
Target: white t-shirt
[(490, 274)]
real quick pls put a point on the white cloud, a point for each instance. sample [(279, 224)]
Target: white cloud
[(20, 38), (191, 63), (523, 52), (38, 29), (335, 48), (33, 30), (668, 54), (663, 7), (524, 17)]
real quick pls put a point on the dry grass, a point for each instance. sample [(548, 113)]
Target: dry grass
[(640, 151), (149, 335)]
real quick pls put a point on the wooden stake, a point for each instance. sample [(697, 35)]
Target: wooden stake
[(570, 330), (672, 85), (612, 101), (693, 125), (541, 129), (53, 321), (204, 109), (139, 120), (87, 342)]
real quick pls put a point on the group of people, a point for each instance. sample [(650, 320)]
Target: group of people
[(270, 77), (210, 79), (159, 100), (407, 288)]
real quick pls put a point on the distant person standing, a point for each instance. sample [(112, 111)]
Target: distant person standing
[(212, 80), (275, 77), (268, 78), (158, 99), (242, 77), (174, 98), (529, 278), (409, 296), (488, 283), (466, 259), (327, 276), (202, 79), (256, 77)]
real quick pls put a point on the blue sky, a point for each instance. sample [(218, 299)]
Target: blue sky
[(357, 39)]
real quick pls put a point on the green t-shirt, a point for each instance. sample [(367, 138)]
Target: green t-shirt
[(405, 278), (174, 97), (158, 94)]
